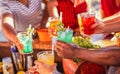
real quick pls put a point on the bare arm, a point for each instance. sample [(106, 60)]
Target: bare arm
[(52, 8), (109, 25), (113, 18), (106, 56), (8, 29)]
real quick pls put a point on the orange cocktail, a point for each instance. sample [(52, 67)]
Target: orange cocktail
[(53, 26), (85, 21)]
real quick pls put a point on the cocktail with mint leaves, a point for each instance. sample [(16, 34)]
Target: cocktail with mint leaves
[(26, 39), (65, 35)]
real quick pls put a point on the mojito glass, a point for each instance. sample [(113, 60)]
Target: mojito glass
[(26, 40), (46, 57), (65, 36)]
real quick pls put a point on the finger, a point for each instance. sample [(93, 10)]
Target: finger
[(60, 44), (20, 51), (37, 62), (94, 25), (57, 50), (54, 66)]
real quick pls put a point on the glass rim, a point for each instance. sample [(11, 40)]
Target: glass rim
[(43, 52), (85, 14), (52, 18)]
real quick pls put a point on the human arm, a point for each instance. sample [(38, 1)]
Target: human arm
[(106, 56), (114, 18), (8, 30), (102, 27), (52, 8), (108, 24), (46, 15)]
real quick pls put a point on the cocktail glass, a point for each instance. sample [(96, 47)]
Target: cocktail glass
[(46, 56), (53, 26), (26, 40), (85, 21), (66, 35)]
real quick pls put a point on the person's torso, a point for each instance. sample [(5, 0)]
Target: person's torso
[(109, 7), (23, 15), (69, 12)]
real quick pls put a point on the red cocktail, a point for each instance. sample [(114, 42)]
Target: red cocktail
[(85, 21)]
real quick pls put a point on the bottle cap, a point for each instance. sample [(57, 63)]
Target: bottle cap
[(12, 49)]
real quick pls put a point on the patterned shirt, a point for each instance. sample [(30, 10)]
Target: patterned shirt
[(23, 15), (69, 12)]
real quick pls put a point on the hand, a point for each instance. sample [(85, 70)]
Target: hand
[(99, 27), (19, 45), (44, 68), (65, 50)]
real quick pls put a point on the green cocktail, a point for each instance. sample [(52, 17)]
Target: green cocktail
[(26, 40), (65, 35)]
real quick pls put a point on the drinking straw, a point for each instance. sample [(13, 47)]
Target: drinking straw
[(53, 43), (68, 29), (61, 16)]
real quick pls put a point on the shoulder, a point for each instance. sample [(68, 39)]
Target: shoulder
[(5, 10)]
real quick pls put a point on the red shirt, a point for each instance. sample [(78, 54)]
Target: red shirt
[(69, 12), (109, 7)]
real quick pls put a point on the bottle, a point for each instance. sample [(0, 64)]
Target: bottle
[(29, 61), (14, 53), (16, 58), (7, 65)]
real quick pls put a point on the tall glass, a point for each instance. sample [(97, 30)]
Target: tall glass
[(26, 40), (53, 26), (85, 21), (46, 57), (65, 36)]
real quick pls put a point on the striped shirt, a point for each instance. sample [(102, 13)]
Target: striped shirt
[(23, 15)]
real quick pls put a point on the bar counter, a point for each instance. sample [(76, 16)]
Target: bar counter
[(37, 47)]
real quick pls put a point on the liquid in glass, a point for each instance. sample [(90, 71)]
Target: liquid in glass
[(65, 36), (26, 40), (46, 57), (85, 21)]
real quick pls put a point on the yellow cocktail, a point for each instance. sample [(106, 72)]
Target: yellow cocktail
[(46, 57), (54, 25)]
